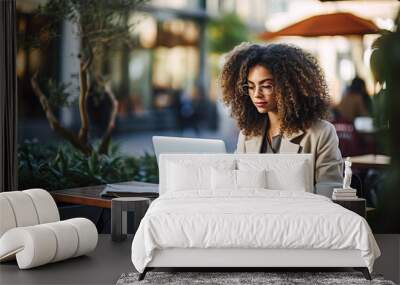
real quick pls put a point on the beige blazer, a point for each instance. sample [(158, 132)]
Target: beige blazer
[(320, 140)]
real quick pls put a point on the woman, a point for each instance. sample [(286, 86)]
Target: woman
[(278, 95)]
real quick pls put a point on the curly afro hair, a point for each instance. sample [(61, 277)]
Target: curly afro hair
[(300, 87)]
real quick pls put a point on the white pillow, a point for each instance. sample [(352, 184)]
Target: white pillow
[(282, 174), (251, 179), (184, 175), (223, 179), (226, 179), (293, 180)]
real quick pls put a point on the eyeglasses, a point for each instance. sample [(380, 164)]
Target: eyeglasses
[(264, 89)]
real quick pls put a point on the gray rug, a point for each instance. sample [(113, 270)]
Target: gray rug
[(228, 278)]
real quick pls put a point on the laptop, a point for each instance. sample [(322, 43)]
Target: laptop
[(164, 144)]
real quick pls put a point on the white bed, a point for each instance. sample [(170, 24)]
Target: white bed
[(204, 221)]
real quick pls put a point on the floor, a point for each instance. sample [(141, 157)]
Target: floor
[(103, 266), (111, 259), (389, 262)]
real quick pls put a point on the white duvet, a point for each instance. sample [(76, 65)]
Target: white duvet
[(250, 219)]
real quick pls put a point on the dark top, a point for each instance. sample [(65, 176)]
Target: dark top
[(274, 147)]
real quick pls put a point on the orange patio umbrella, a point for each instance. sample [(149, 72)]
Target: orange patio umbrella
[(326, 25)]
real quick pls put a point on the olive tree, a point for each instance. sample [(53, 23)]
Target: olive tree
[(99, 24)]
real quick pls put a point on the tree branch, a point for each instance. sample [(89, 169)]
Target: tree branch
[(53, 122), (84, 91), (105, 141), (101, 31), (90, 58), (107, 39)]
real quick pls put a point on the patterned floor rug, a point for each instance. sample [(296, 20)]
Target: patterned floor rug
[(243, 278)]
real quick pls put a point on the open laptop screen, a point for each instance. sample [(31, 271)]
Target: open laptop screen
[(164, 144)]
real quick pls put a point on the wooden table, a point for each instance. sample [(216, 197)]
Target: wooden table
[(362, 165), (370, 161), (90, 196)]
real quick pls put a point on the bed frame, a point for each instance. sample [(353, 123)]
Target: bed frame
[(246, 258), (242, 259)]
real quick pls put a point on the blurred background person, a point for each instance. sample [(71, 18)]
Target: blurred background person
[(356, 101)]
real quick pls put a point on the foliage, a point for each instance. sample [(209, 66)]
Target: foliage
[(385, 65), (226, 32), (59, 167), (58, 94), (99, 22)]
